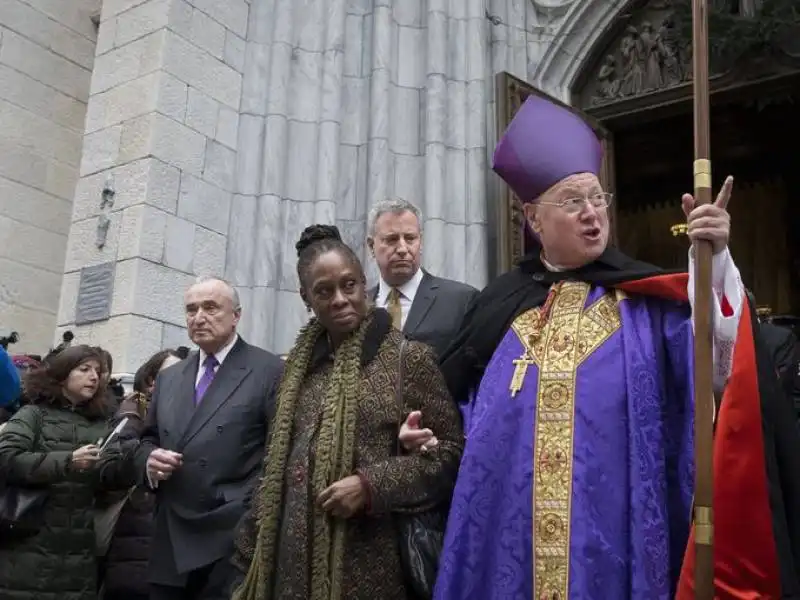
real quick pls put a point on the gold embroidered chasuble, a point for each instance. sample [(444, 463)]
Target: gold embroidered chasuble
[(557, 338)]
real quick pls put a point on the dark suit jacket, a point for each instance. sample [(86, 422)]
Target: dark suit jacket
[(437, 311), (222, 441)]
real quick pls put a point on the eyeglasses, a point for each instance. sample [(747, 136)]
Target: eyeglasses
[(576, 205)]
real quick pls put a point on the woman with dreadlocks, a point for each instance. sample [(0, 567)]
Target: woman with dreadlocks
[(321, 524)]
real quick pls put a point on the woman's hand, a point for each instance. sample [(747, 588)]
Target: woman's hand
[(414, 439), (85, 457), (344, 498)]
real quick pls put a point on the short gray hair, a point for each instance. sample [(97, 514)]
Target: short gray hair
[(237, 305), (393, 205)]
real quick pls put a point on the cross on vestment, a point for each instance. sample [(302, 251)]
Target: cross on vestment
[(520, 370)]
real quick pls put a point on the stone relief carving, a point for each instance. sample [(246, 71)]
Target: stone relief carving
[(654, 50), (650, 56)]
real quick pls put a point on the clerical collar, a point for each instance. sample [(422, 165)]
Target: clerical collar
[(549, 266)]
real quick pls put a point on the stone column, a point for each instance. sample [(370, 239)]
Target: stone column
[(347, 102), (227, 127), (161, 132)]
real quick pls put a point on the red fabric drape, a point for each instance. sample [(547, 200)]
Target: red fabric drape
[(745, 557)]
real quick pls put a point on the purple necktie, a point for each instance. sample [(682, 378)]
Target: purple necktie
[(210, 363)]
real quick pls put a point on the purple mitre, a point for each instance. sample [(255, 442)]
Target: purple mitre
[(544, 144)]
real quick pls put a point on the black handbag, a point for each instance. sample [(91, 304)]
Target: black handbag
[(421, 536), (21, 508)]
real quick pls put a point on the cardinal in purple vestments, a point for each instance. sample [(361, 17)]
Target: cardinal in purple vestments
[(574, 374)]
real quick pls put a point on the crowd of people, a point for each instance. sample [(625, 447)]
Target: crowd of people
[(534, 439)]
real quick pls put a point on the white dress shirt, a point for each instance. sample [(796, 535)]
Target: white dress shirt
[(220, 355), (408, 292)]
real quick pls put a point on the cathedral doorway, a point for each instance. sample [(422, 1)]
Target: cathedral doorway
[(637, 94)]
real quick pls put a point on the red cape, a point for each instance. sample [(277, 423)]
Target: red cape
[(746, 563)]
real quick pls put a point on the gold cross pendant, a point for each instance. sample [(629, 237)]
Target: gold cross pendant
[(520, 370)]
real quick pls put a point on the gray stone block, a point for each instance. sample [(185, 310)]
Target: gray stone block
[(259, 318), (231, 13), (220, 165), (227, 130), (41, 99), (202, 113), (142, 233), (410, 70), (179, 244), (75, 15), (28, 205), (46, 32), (201, 70), (296, 217), (44, 65), (101, 150), (241, 236), (41, 135), (301, 163), (128, 62), (161, 137), (353, 46), (32, 245), (234, 51), (204, 204), (266, 245), (145, 181), (255, 85), (209, 252), (142, 20), (405, 121), (249, 166)]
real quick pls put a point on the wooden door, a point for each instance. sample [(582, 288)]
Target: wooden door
[(512, 236)]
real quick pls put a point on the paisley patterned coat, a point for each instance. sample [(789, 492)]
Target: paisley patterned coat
[(398, 484)]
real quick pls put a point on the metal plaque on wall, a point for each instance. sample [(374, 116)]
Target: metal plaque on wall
[(95, 291)]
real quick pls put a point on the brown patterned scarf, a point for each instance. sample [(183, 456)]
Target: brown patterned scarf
[(335, 447)]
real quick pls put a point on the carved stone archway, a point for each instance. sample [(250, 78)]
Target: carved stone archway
[(744, 48), (584, 25)]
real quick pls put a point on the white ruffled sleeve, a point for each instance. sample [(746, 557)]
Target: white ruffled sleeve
[(727, 305)]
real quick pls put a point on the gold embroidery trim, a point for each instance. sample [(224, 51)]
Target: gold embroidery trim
[(570, 336)]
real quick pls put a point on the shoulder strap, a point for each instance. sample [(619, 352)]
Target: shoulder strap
[(398, 390)]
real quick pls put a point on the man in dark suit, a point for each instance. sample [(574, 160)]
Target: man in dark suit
[(203, 445), (426, 308)]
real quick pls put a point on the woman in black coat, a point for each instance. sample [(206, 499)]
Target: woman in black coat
[(51, 444)]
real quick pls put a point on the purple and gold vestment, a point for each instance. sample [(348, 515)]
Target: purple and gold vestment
[(580, 485)]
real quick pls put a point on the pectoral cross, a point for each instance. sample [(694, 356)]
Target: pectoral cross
[(521, 365)]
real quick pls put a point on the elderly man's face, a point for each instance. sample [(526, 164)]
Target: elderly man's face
[(396, 246), (572, 230), (211, 316)]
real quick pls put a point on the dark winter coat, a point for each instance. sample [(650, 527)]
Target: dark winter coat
[(126, 562), (58, 562)]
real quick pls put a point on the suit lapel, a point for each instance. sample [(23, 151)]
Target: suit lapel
[(183, 408), (423, 301), (229, 377)]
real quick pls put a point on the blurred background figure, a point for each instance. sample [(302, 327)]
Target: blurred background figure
[(126, 562)]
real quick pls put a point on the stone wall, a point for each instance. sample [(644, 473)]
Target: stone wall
[(46, 56), (161, 131), (347, 102), (225, 127)]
